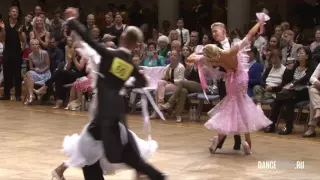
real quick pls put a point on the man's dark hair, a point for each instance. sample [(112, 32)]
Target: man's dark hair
[(180, 19)]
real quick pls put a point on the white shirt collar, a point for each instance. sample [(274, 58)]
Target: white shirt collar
[(225, 41), (225, 44)]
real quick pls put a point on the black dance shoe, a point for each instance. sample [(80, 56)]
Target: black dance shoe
[(285, 131)]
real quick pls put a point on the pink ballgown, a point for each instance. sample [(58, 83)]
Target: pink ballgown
[(237, 113)]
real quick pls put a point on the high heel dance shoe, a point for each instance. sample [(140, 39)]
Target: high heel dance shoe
[(246, 148), (214, 145)]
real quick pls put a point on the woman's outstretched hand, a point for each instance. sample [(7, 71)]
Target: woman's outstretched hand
[(262, 17)]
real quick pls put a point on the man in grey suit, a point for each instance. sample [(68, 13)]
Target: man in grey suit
[(289, 52)]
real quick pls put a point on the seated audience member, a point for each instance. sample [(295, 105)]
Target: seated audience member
[(176, 46), (255, 70), (65, 33), (299, 37), (235, 35), (285, 25), (289, 52), (260, 42), (315, 57), (316, 43), (39, 64), (155, 35), (273, 79), (174, 36), (205, 40), (274, 43), (79, 87), (278, 33), (55, 55), (184, 87), (174, 73), (314, 96), (152, 58), (186, 52), (292, 93), (65, 74), (139, 51), (96, 34), (194, 40), (163, 43)]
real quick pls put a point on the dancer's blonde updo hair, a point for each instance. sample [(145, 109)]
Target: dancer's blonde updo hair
[(212, 51)]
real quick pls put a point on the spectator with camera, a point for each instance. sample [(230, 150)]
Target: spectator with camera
[(151, 57)]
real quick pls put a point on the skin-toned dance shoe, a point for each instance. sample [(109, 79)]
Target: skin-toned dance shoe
[(246, 148), (214, 145), (55, 176)]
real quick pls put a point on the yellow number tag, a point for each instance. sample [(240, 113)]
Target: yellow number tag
[(121, 69)]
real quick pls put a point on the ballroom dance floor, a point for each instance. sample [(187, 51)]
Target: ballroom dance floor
[(31, 139)]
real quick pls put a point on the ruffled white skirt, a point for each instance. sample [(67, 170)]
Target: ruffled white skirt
[(83, 150)]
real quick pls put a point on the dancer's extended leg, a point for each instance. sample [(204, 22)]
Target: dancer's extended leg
[(133, 159), (246, 145), (58, 172), (216, 141)]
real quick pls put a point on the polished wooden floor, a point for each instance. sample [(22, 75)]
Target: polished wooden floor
[(31, 138)]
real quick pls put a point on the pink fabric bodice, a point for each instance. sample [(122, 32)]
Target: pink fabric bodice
[(237, 81)]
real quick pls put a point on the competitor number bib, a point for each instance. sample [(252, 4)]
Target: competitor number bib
[(121, 69)]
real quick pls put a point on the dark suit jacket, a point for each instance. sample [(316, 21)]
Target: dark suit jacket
[(286, 79), (111, 106), (255, 74)]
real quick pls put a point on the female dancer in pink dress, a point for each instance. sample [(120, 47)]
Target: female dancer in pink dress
[(236, 113)]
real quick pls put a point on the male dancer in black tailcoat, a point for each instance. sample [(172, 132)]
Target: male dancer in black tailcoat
[(219, 34), (114, 70)]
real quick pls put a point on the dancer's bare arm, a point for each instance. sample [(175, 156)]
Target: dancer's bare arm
[(248, 39)]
